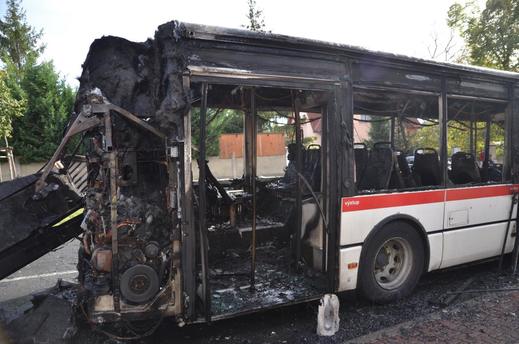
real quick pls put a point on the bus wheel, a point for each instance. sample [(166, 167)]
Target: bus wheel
[(392, 263)]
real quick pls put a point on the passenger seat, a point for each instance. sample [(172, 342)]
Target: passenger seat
[(464, 169), (378, 169), (426, 167), (312, 166), (361, 160), (405, 171)]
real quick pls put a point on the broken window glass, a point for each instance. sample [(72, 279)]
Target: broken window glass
[(397, 140), (475, 141)]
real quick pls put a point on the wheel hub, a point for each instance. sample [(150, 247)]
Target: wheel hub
[(393, 263), (139, 284)]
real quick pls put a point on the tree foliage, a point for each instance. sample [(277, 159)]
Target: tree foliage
[(10, 108), (19, 42), (491, 35), (47, 98), (218, 122), (379, 130), (49, 101), (255, 20)]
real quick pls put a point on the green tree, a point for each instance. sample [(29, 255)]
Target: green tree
[(379, 130), (49, 102), (19, 42), (255, 19), (10, 108), (426, 136), (218, 122), (491, 35)]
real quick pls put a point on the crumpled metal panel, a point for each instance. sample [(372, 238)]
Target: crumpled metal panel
[(21, 215)]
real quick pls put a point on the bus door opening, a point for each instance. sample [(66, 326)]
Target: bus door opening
[(260, 176)]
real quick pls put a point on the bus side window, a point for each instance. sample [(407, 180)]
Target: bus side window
[(475, 141), (398, 123)]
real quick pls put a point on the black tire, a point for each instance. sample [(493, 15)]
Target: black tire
[(398, 232)]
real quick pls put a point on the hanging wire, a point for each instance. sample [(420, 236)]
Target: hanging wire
[(280, 114), (272, 98), (375, 111), (371, 120), (433, 123), (284, 124)]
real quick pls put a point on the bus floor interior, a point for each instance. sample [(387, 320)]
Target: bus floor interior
[(277, 279)]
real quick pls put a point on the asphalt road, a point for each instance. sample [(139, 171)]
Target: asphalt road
[(42, 273), (294, 324), (297, 324)]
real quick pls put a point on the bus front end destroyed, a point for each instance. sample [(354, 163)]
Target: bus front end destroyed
[(229, 171), (129, 258)]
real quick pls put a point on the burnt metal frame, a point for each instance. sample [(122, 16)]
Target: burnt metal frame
[(472, 138), (254, 133), (341, 144), (299, 168), (509, 146), (324, 186), (91, 116), (513, 108), (188, 231), (202, 200), (443, 113)]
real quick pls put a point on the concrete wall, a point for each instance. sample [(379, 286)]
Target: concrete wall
[(23, 169), (268, 166)]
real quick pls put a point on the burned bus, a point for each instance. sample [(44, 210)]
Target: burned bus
[(224, 172)]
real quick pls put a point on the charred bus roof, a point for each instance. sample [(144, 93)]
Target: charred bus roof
[(147, 78), (358, 54)]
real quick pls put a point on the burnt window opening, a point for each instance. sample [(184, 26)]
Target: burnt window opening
[(476, 142), (258, 186), (397, 141)]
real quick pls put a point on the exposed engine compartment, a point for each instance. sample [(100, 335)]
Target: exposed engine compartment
[(142, 260), (126, 253), (129, 256)]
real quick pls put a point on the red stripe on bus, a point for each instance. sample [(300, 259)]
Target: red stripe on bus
[(480, 192), (423, 197), (391, 200)]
